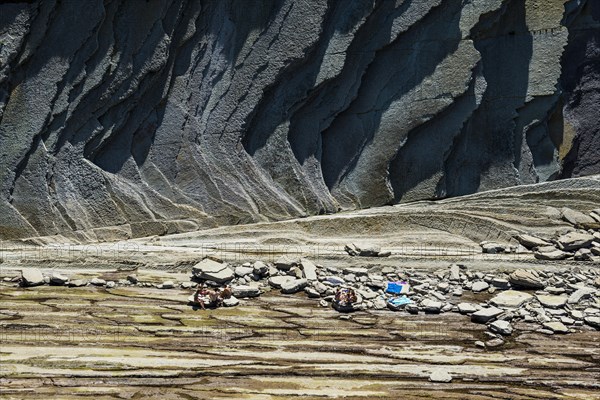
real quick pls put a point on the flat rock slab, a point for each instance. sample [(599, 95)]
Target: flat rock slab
[(551, 301), (530, 241), (525, 279), (486, 314), (553, 255), (209, 269), (511, 299), (575, 240)]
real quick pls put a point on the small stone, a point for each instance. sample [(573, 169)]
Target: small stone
[(323, 303), (379, 303), (583, 255), (457, 292), (479, 343), (554, 290), (501, 327), (412, 308), (32, 277), (556, 327), (334, 280), (500, 283), (580, 294), (78, 283), (311, 292), (357, 271), (133, 278), (486, 314), (98, 282), (496, 342), (166, 285), (293, 286), (245, 291), (431, 306), (441, 376), (467, 308), (454, 272), (110, 284), (567, 320), (231, 302), (593, 321), (309, 269), (243, 271), (187, 285), (479, 286)]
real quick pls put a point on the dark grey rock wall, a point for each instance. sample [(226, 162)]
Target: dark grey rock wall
[(129, 118)]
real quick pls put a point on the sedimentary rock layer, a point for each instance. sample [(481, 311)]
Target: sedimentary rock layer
[(130, 118)]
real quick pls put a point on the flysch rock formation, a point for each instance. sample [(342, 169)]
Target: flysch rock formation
[(128, 118)]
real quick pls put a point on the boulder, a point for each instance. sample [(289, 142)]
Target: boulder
[(78, 283), (98, 282), (293, 286), (525, 279), (133, 279), (368, 250), (531, 241), (211, 270), (486, 314), (575, 240), (511, 299), (575, 217), (245, 291), (260, 268), (277, 281), (286, 262), (32, 277), (58, 279)]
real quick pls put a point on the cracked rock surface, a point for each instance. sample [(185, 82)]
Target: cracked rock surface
[(126, 119)]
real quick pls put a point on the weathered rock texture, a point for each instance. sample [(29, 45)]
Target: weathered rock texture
[(131, 118)]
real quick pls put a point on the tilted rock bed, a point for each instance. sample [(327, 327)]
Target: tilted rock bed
[(550, 302)]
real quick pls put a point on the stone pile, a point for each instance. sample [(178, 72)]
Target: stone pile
[(547, 301), (577, 244)]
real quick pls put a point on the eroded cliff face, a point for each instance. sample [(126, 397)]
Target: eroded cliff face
[(130, 118)]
